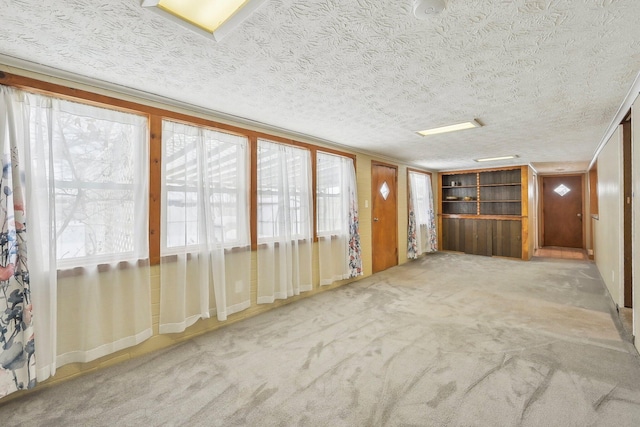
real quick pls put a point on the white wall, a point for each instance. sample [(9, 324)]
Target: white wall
[(609, 228)]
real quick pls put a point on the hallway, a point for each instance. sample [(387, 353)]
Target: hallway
[(446, 340)]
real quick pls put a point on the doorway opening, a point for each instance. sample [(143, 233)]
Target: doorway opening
[(562, 230), (627, 211)]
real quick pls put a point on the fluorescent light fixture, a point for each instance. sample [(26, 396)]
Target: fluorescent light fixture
[(451, 128), (211, 18), (493, 159)]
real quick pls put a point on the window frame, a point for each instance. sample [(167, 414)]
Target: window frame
[(296, 236), (71, 91), (325, 233), (423, 172), (78, 263), (165, 250)]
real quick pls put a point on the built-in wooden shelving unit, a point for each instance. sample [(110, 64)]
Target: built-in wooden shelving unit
[(485, 211)]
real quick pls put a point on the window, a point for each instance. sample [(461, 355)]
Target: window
[(337, 218), (332, 194), (284, 187), (211, 166), (421, 195), (422, 226), (97, 163)]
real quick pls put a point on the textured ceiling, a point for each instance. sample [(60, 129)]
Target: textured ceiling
[(545, 77)]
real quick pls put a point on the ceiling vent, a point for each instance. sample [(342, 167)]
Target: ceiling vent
[(424, 9)]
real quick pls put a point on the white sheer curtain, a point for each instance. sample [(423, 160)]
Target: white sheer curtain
[(336, 195), (86, 175), (206, 253), (285, 236), (422, 226)]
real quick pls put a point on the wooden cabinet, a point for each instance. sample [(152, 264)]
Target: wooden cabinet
[(489, 237), (484, 212), (507, 238)]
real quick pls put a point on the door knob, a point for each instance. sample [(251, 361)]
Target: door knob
[(375, 219), (580, 214)]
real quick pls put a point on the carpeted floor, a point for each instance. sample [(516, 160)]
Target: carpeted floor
[(447, 340)]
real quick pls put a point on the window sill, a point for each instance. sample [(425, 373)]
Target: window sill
[(264, 245), (64, 273), (332, 236), (191, 254)]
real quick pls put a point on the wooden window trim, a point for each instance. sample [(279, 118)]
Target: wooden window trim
[(155, 188), (155, 116)]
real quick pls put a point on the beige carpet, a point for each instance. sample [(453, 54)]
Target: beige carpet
[(447, 340)]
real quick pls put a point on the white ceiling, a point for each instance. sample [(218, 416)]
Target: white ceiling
[(545, 77)]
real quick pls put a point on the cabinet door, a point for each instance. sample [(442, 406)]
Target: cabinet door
[(478, 237), (452, 234), (507, 238)]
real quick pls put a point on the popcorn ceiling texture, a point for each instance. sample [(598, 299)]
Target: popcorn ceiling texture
[(546, 77)]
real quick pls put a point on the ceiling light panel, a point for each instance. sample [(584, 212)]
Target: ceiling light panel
[(207, 17), (450, 128), (206, 14), (493, 159)]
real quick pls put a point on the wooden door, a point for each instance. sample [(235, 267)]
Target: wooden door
[(628, 214), (562, 211), (384, 221)]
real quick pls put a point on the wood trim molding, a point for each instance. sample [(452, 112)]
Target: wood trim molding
[(629, 99), (155, 188), (389, 165), (418, 171)]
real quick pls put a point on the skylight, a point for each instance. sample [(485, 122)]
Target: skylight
[(213, 18)]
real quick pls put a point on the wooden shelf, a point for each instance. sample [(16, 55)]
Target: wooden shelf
[(497, 190), (474, 216)]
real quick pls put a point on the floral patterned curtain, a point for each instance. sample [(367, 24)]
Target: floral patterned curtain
[(422, 236), (17, 349), (355, 251), (412, 249)]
